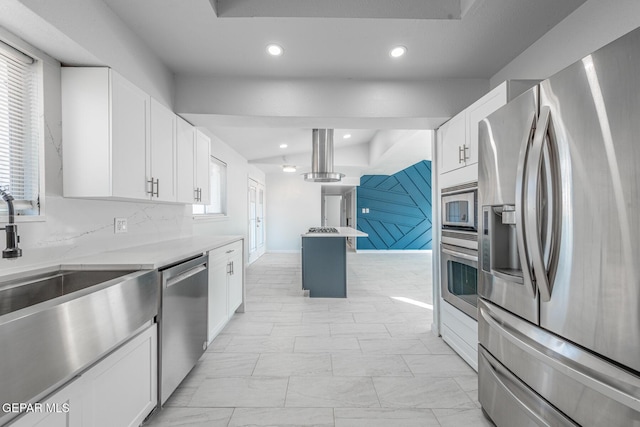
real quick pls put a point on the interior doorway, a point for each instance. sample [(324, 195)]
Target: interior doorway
[(332, 211), (256, 246)]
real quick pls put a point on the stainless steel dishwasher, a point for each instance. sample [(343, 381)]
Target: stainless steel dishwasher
[(183, 321)]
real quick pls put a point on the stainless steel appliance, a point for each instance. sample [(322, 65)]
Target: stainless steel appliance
[(55, 325), (323, 230), (459, 281), (460, 215), (459, 247), (559, 277), (183, 321)]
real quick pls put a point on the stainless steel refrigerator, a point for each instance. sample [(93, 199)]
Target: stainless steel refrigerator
[(559, 237)]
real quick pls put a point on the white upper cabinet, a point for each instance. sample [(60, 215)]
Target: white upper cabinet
[(129, 112), (202, 162), (453, 140), (185, 162), (118, 142), (161, 170), (458, 138), (476, 113), (193, 151)]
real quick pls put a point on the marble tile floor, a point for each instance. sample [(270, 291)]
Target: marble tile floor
[(367, 360)]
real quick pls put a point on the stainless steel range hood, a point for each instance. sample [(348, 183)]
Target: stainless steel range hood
[(322, 158)]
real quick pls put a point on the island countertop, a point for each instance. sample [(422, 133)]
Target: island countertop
[(342, 232)]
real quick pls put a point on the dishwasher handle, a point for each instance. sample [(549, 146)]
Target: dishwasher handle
[(183, 276)]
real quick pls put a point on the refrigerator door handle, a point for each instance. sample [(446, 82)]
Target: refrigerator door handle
[(531, 213), (521, 209)]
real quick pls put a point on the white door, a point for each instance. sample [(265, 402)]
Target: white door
[(332, 210), (256, 220), (260, 218)]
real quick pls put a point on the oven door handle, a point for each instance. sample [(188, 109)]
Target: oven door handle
[(460, 255)]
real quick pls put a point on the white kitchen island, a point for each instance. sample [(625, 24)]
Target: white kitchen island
[(324, 261)]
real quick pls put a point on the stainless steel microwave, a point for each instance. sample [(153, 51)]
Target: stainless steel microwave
[(460, 207)]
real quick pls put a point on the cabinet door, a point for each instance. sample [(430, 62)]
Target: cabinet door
[(476, 113), (203, 152), (123, 387), (162, 166), (129, 139), (63, 409), (185, 158), (217, 310), (235, 279), (451, 143)]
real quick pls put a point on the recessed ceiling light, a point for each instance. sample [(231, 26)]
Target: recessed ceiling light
[(398, 51), (275, 50), (283, 145), (346, 136), (288, 168)]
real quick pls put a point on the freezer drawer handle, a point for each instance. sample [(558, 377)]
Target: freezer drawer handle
[(566, 358), (519, 394)]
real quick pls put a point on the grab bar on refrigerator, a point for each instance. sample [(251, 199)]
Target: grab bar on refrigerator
[(521, 236), (543, 271)]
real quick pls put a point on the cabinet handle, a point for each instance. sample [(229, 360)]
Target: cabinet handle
[(229, 251), (156, 183), (460, 150), (464, 153), (232, 269)]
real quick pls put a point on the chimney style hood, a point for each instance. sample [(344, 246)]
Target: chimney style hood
[(322, 158)]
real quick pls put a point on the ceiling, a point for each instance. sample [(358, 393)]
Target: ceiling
[(334, 39), (191, 40)]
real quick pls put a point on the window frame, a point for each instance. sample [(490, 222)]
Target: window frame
[(17, 47)]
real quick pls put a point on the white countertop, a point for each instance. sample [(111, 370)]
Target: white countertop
[(143, 257), (342, 232)]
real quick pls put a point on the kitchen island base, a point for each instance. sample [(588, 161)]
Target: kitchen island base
[(324, 266)]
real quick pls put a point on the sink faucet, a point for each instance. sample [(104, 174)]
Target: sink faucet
[(12, 250)]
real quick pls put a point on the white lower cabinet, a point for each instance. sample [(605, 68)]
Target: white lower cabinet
[(226, 285), (460, 332), (123, 388), (119, 390), (62, 409)]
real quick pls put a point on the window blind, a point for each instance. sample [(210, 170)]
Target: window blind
[(19, 139)]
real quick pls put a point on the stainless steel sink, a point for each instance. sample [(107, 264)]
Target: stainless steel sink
[(54, 326), (34, 290)]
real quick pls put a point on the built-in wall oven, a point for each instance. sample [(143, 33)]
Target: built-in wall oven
[(459, 247)]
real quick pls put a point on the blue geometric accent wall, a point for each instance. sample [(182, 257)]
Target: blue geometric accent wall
[(399, 209)]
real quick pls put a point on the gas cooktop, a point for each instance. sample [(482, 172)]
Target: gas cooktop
[(323, 230)]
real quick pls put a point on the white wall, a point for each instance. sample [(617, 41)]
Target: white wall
[(398, 104), (293, 205), (88, 32), (591, 26)]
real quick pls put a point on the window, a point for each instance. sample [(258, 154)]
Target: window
[(218, 188), (19, 130)]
